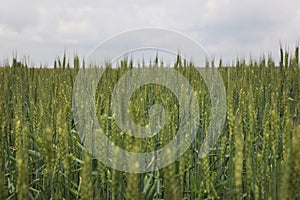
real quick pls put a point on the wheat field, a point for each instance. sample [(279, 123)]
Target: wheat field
[(256, 157)]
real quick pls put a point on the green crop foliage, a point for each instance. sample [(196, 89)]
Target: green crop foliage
[(256, 157)]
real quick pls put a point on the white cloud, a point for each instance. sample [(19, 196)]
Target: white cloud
[(226, 28)]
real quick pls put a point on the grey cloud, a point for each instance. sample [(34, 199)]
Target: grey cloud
[(18, 16), (228, 27)]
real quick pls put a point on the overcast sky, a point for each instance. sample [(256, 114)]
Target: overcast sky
[(226, 28)]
